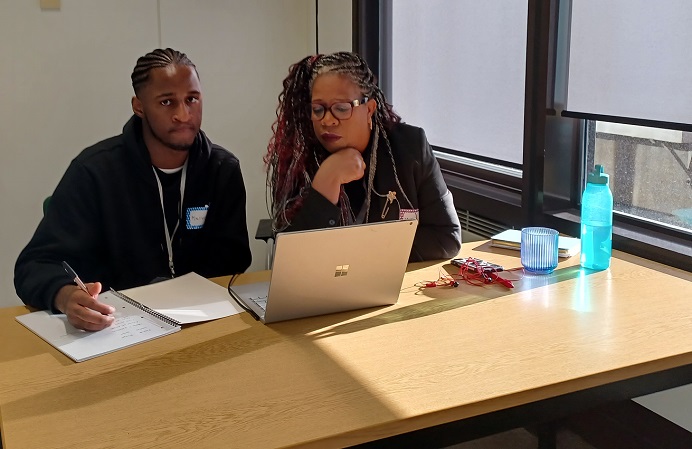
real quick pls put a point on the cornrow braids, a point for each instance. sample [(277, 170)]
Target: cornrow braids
[(294, 154), (157, 59), (357, 70)]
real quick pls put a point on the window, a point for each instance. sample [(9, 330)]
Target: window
[(448, 67), (650, 168), (621, 101), (457, 71), (621, 77), (626, 58)]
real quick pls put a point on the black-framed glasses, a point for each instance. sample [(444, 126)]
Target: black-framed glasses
[(342, 110)]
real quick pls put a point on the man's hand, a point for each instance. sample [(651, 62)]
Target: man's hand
[(339, 168), (84, 311)]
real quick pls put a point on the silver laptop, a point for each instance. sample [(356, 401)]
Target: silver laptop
[(331, 270)]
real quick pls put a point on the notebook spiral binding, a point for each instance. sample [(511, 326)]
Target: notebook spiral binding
[(148, 310)]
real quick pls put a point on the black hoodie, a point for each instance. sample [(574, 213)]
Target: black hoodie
[(105, 220)]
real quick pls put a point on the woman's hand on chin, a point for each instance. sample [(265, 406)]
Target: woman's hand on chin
[(339, 168)]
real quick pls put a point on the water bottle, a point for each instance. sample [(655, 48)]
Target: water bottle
[(596, 221)]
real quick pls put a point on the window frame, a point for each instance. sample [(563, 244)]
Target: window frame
[(554, 144)]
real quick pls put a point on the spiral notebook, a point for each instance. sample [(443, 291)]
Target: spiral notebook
[(134, 323)]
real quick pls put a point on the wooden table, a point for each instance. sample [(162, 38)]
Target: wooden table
[(438, 359)]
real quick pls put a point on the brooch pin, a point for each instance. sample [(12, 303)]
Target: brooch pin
[(391, 196)]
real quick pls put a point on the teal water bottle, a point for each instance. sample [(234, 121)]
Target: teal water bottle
[(596, 221)]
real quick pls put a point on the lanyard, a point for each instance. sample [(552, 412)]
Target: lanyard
[(169, 236)]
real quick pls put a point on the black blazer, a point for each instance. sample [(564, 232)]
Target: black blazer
[(439, 233)]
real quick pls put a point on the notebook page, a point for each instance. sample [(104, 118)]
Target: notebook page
[(189, 298), (130, 327)]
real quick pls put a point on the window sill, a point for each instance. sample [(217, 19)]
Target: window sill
[(647, 243)]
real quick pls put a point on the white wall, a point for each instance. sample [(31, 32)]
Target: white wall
[(66, 85), (335, 25)]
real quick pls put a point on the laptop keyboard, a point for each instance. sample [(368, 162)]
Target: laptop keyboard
[(261, 302)]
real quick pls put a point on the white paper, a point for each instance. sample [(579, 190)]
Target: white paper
[(190, 298), (130, 327)]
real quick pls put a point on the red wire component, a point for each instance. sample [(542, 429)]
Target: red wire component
[(444, 280), (473, 272), (478, 272)]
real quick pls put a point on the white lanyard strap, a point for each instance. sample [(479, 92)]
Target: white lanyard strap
[(169, 236)]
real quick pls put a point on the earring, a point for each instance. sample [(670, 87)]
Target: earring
[(370, 124)]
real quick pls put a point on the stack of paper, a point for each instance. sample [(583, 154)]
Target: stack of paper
[(511, 239)]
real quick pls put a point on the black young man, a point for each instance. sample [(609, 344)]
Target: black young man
[(159, 200)]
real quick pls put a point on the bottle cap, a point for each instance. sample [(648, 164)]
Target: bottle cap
[(597, 176)]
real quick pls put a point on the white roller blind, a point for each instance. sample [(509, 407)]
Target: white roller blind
[(631, 58), (458, 71)]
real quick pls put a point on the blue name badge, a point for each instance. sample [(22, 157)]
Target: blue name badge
[(196, 216)]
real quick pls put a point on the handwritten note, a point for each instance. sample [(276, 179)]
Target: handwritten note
[(131, 326)]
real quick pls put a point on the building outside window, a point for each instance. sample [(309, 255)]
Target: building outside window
[(650, 168)]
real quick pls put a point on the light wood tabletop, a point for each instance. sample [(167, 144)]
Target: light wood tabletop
[(440, 355)]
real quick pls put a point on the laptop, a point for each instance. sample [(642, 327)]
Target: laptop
[(323, 271)]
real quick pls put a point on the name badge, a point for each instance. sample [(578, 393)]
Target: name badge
[(408, 214), (196, 216)]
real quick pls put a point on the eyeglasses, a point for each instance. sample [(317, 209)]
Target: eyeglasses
[(340, 111)]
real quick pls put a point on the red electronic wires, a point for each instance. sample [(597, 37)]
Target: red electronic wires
[(443, 280), (479, 272), (474, 272)]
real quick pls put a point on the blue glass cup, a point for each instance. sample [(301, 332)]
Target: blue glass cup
[(539, 249)]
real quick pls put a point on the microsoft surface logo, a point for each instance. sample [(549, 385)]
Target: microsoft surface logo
[(341, 270)]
